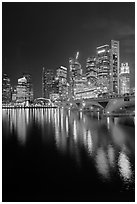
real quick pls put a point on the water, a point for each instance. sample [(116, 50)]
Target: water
[(57, 155)]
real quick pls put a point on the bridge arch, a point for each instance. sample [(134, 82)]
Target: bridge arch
[(87, 104), (42, 101), (81, 104), (115, 104)]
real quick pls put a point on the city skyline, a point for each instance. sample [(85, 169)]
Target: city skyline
[(37, 35)]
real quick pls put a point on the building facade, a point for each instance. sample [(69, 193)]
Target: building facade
[(21, 90), (103, 68), (75, 73), (24, 91), (14, 94), (61, 76), (91, 70), (124, 79), (114, 69), (47, 82), (29, 87), (6, 89)]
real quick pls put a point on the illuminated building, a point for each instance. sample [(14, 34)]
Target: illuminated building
[(54, 97), (86, 93), (55, 86), (103, 68), (75, 72), (124, 79), (114, 73), (21, 89), (29, 87), (47, 80), (75, 68), (14, 94), (132, 90), (80, 85), (83, 89), (24, 90), (91, 70), (6, 89), (62, 81)]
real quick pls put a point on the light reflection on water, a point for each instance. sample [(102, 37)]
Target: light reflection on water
[(102, 163), (124, 166), (108, 144)]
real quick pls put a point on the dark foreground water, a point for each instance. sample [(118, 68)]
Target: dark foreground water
[(58, 155)]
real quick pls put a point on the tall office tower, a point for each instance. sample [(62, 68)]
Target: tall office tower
[(47, 80), (75, 72), (91, 70), (6, 89), (14, 94), (81, 85), (75, 68), (21, 90), (124, 79), (29, 87), (103, 68), (114, 70), (55, 85), (62, 79)]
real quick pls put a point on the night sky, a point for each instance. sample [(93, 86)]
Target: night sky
[(48, 34)]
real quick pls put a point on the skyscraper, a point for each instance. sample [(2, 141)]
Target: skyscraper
[(91, 70), (62, 79), (29, 87), (124, 79), (114, 70), (6, 89), (75, 72), (103, 68), (75, 68), (21, 89), (14, 94), (47, 80), (24, 89)]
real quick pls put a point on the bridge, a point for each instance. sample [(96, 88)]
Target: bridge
[(42, 101), (108, 105)]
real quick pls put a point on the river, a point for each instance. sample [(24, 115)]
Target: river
[(62, 155)]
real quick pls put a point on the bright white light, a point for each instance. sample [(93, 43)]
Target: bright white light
[(124, 166), (75, 130), (77, 55), (100, 51), (67, 124), (89, 142), (22, 80), (102, 163), (83, 104), (63, 68)]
